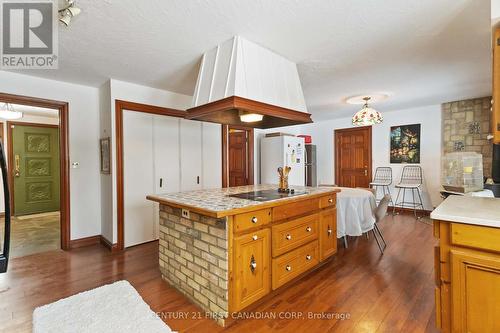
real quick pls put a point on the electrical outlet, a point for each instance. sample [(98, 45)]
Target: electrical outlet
[(185, 213)]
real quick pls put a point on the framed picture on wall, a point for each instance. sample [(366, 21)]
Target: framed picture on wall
[(105, 156), (405, 144)]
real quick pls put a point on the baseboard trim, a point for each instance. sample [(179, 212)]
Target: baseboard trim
[(83, 242), (408, 211), (106, 243)]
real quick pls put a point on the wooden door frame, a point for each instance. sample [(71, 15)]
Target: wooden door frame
[(10, 155), (337, 153), (64, 192), (225, 153), (120, 106)]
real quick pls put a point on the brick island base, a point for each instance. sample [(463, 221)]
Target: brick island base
[(194, 258)]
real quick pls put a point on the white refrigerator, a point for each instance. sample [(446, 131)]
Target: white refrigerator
[(281, 151)]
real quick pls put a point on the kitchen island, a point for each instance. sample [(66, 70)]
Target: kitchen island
[(467, 264), (226, 253)]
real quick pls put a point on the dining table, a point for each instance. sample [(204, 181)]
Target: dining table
[(355, 208)]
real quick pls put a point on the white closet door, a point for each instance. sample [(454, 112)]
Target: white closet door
[(212, 155), (138, 161), (191, 159), (166, 154)]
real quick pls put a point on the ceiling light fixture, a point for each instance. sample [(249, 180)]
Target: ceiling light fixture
[(251, 117), (367, 116), (68, 12), (7, 112)]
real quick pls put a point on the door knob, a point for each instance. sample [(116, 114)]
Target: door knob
[(308, 229), (254, 219), (255, 237), (288, 237), (288, 268), (330, 200), (308, 257)]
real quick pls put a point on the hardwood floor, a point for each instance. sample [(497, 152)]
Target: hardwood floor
[(34, 234), (389, 293)]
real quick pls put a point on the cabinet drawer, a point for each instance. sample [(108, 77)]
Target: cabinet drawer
[(295, 209), (328, 201), (474, 236), (252, 219), (292, 264), (290, 235)]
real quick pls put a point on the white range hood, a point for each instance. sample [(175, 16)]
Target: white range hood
[(238, 78)]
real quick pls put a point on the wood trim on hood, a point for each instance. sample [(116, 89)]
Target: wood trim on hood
[(226, 111)]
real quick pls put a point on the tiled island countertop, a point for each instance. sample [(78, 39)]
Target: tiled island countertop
[(216, 203)]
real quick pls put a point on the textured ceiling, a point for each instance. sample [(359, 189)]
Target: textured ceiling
[(421, 51)]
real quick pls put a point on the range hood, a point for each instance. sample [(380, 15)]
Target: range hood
[(240, 80)]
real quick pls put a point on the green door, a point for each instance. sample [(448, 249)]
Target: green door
[(36, 169)]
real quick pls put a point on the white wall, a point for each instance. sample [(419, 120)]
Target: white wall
[(132, 93), (322, 135), (83, 133), (430, 119)]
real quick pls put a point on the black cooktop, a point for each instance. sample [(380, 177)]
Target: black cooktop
[(267, 195)]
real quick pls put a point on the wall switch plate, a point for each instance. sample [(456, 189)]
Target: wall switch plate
[(75, 165), (185, 213)]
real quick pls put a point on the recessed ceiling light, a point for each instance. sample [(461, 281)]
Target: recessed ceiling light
[(361, 99)]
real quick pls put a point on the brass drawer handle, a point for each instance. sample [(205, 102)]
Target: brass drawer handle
[(330, 200), (308, 257), (255, 237), (288, 268), (253, 264), (308, 229), (254, 219), (288, 237)]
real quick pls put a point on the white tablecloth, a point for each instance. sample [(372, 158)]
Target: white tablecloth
[(354, 212)]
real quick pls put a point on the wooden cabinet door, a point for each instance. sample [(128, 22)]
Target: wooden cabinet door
[(212, 156), (475, 284), (166, 154), (495, 116), (327, 233), (138, 158), (251, 268), (191, 155)]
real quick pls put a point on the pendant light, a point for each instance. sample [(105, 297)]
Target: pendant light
[(7, 112), (367, 116)]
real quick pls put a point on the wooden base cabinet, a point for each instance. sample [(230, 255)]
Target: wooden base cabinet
[(273, 246), (467, 278), (252, 272), (327, 233)]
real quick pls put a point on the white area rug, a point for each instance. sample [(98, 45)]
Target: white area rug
[(116, 307)]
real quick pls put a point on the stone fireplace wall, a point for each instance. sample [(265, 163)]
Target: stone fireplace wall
[(466, 124)]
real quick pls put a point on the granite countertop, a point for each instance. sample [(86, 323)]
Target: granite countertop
[(215, 202), (469, 210)]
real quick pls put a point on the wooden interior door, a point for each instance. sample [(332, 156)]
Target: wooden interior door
[(353, 157), (35, 156), (238, 157)]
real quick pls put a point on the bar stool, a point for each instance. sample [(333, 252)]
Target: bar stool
[(411, 179), (383, 178)]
